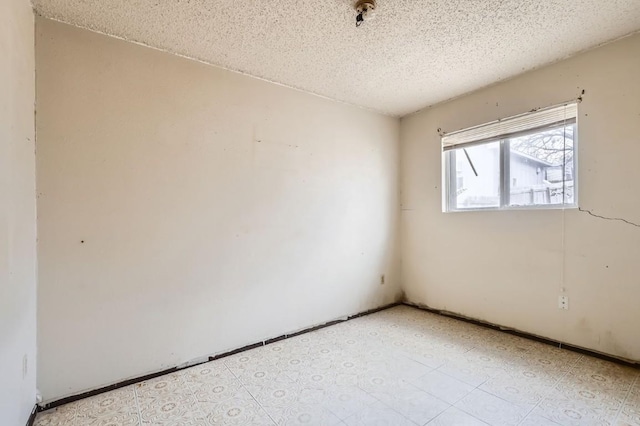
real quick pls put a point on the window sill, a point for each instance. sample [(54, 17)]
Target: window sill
[(516, 208)]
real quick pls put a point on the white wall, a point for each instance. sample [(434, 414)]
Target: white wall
[(509, 267), (17, 214), (216, 210)]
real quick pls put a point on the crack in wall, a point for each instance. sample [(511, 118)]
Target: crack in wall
[(609, 218)]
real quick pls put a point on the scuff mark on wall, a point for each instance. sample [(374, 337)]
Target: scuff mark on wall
[(613, 345)]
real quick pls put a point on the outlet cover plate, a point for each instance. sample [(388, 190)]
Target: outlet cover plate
[(563, 302)]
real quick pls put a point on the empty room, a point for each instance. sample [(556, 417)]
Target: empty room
[(349, 212)]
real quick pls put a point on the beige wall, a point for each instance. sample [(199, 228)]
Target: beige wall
[(216, 210), (508, 267), (17, 214)]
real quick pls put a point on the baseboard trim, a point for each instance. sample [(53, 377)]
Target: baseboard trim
[(32, 416), (525, 335), (132, 381), (305, 331), (104, 389)]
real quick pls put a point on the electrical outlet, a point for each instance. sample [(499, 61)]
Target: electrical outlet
[(563, 302), (25, 365), (382, 279)]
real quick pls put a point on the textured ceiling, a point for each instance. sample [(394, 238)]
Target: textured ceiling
[(414, 54)]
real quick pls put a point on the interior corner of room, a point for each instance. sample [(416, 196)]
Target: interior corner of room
[(186, 210)]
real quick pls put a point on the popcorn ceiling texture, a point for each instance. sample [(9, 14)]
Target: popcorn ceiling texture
[(414, 54)]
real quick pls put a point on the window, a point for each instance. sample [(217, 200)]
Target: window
[(527, 161)]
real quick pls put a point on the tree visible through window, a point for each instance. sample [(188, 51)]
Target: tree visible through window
[(542, 167)]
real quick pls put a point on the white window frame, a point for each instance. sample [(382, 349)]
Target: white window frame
[(449, 202)]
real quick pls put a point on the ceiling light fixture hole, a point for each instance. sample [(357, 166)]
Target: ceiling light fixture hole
[(366, 11)]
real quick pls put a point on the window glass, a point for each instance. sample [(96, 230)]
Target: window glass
[(541, 168), (477, 176)]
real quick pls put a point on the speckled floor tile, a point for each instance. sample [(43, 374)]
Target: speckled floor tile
[(401, 366)]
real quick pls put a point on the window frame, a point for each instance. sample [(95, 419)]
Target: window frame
[(449, 172)]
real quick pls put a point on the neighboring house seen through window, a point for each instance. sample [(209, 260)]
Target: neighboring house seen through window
[(526, 161)]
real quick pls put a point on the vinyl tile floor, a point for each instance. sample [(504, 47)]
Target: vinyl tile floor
[(401, 366)]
